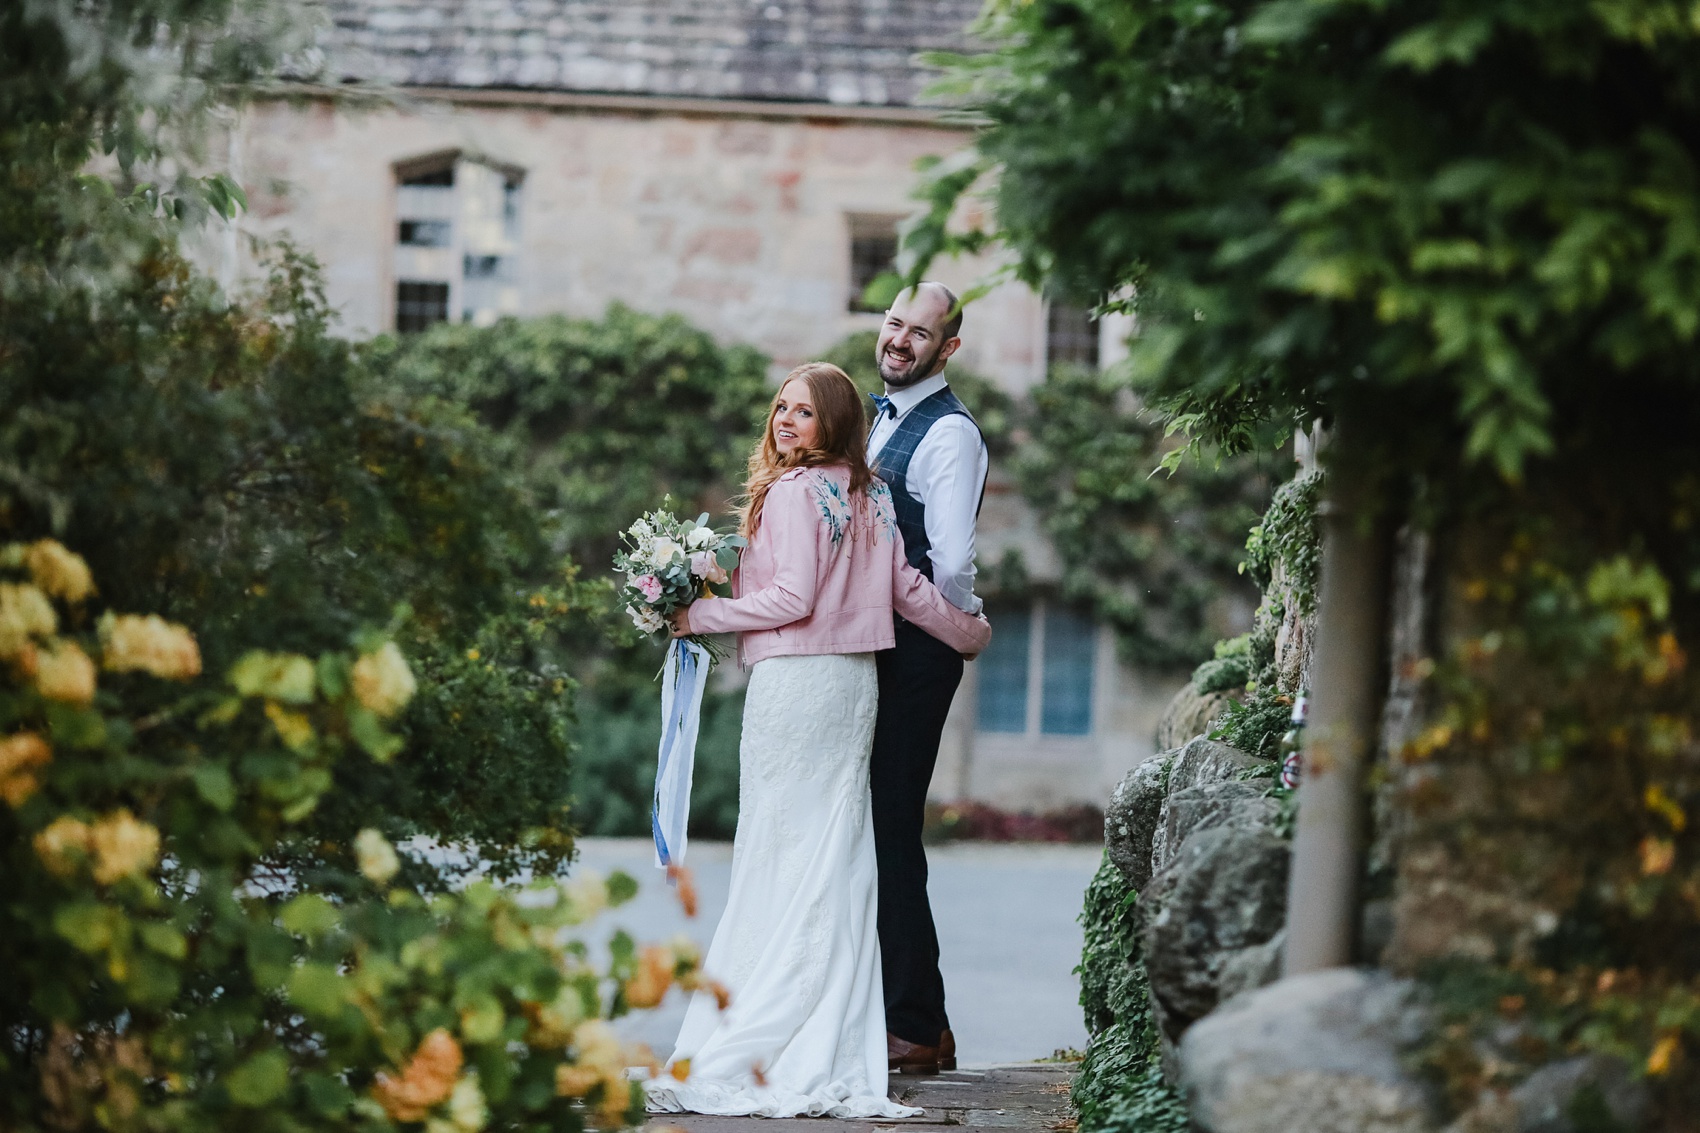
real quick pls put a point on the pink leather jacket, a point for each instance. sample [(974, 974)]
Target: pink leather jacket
[(818, 579)]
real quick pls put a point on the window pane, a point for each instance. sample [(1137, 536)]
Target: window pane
[(424, 233), (419, 304), (1070, 646), (1071, 335), (873, 250), (1002, 689)]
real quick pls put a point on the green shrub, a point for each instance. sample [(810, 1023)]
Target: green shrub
[(171, 969), (614, 775), (1119, 1086)]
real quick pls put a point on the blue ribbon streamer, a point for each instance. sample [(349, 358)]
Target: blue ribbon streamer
[(683, 670)]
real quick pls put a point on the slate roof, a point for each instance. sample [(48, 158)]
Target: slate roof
[(844, 52)]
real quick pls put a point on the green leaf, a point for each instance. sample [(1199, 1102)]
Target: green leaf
[(90, 926), (70, 727), (369, 732), (882, 291), (318, 990), (309, 915), (335, 672), (260, 1080), (214, 784), (622, 887), (165, 940), (287, 677)]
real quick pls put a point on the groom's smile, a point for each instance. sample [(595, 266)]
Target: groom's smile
[(918, 337)]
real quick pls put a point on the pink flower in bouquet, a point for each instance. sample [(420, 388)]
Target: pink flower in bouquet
[(649, 586), (705, 565)]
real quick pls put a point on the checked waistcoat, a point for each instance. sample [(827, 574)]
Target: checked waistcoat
[(892, 466)]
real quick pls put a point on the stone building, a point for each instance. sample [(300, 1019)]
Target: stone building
[(744, 163)]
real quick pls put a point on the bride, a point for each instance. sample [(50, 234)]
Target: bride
[(797, 946)]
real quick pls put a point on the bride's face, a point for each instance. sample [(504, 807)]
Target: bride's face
[(794, 422)]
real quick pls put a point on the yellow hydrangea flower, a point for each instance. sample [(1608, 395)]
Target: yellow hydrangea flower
[(62, 844), (427, 1079), (58, 571), (382, 680), (25, 612), (64, 672), (20, 756), (149, 644), (123, 845)]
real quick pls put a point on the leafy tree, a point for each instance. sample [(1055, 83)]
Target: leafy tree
[(603, 417), (1463, 235)]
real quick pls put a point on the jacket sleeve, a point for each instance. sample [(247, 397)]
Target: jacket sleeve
[(790, 523), (920, 602)]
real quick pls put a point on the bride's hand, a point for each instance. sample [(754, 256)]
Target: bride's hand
[(680, 621)]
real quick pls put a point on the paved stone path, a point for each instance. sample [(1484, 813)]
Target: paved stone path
[(1031, 1097), (1007, 933)]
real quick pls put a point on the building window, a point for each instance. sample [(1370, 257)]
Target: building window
[(457, 241), (1065, 703), (873, 252), (1071, 335), (1036, 678), (1002, 689), (418, 304)]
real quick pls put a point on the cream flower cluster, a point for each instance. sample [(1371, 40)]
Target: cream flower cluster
[(669, 563), (117, 845), (383, 682)]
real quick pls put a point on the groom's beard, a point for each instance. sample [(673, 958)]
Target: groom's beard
[(923, 368)]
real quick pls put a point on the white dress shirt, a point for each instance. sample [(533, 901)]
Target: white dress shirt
[(947, 473)]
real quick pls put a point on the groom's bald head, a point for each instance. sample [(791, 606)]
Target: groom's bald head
[(919, 335)]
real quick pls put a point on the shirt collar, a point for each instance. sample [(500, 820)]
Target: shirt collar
[(907, 398)]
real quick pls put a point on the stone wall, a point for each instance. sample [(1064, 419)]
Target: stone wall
[(739, 222)]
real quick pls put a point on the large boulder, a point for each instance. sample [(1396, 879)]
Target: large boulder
[(1206, 761), (1321, 1053), (1130, 821), (1225, 891), (1187, 811), (1190, 714)]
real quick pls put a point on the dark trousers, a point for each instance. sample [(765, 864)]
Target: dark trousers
[(917, 679)]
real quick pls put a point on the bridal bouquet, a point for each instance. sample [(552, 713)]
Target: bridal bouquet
[(670, 563)]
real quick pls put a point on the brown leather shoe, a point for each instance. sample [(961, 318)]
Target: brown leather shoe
[(910, 1058), (947, 1050)]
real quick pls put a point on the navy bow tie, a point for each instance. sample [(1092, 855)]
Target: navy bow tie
[(883, 405)]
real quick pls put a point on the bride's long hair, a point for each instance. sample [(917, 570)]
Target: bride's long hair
[(842, 440)]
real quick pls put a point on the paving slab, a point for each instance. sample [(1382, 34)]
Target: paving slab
[(1031, 1096)]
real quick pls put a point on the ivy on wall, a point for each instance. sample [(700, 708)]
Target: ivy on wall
[(1152, 555)]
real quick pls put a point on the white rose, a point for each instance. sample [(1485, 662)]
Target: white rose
[(646, 620), (663, 550), (698, 538)]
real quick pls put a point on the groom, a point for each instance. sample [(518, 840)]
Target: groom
[(929, 451)]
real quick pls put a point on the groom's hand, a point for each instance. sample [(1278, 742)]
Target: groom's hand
[(680, 621)]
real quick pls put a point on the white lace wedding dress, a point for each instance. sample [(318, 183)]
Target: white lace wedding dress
[(797, 945)]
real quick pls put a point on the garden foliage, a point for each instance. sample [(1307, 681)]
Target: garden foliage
[(170, 974), (205, 924), (1119, 1086), (595, 422), (1466, 236)]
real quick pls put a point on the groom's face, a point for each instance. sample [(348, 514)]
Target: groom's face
[(912, 343)]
